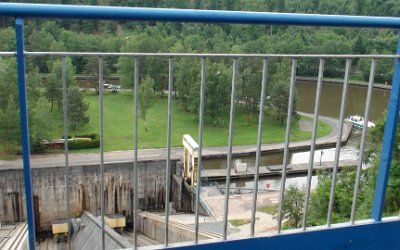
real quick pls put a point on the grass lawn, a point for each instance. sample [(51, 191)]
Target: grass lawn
[(239, 222), (118, 126), (268, 209)]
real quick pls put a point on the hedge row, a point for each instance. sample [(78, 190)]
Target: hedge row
[(81, 144), (92, 136)]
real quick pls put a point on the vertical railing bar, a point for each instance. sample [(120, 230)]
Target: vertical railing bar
[(19, 32), (287, 139), (338, 141), (135, 164), (388, 141), (103, 240), (259, 143), (65, 117), (230, 145), (363, 135), (313, 140), (168, 166), (199, 161)]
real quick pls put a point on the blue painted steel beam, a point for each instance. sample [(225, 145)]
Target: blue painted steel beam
[(19, 30), (372, 236), (181, 15), (388, 141)]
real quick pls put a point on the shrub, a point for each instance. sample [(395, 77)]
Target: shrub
[(37, 146), (82, 144), (92, 136)]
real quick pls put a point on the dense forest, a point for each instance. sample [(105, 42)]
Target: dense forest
[(43, 73), (115, 36)]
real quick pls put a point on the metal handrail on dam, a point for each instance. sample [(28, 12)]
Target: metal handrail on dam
[(375, 226)]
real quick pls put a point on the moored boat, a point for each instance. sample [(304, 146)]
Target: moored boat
[(358, 121)]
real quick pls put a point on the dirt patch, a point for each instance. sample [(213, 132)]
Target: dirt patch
[(305, 125)]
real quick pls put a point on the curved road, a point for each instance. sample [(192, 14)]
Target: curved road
[(43, 161)]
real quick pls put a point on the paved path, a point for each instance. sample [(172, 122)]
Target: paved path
[(43, 161)]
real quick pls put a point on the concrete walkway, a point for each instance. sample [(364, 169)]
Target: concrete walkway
[(44, 161)]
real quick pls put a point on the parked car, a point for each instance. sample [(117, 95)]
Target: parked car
[(115, 88), (106, 85)]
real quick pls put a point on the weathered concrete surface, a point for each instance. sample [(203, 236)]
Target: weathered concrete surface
[(50, 192), (240, 208), (176, 191), (89, 237), (14, 236), (153, 226)]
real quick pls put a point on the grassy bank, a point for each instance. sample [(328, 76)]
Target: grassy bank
[(118, 122)]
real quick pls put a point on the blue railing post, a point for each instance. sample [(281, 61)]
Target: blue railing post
[(19, 30), (388, 141)]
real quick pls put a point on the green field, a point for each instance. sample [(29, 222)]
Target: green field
[(118, 126)]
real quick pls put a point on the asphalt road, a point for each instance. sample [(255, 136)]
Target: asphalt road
[(44, 161)]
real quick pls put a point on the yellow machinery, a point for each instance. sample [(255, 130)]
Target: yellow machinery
[(60, 230), (115, 221), (190, 158)]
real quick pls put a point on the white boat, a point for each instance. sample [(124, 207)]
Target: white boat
[(358, 121)]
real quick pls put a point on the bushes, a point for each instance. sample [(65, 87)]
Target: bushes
[(92, 136), (37, 146), (81, 144)]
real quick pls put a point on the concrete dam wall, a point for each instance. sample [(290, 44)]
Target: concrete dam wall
[(50, 196)]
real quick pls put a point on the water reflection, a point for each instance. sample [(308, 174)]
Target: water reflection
[(330, 106), (331, 96), (323, 155), (348, 152)]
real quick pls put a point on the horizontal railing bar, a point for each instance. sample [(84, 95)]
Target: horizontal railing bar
[(189, 15), (8, 53), (168, 55)]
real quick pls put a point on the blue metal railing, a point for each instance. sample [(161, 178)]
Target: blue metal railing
[(388, 141), (198, 16), (20, 11), (25, 130)]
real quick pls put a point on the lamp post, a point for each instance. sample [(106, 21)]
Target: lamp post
[(320, 158)]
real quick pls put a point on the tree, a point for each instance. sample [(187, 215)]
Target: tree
[(187, 79), (41, 120), (319, 200), (77, 107), (39, 40), (8, 80), (10, 126), (392, 201), (126, 71), (145, 98), (251, 87), (343, 198), (154, 67), (33, 84), (293, 205), (280, 92), (384, 69), (3, 134), (157, 70), (41, 125), (218, 90), (7, 42), (53, 90)]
